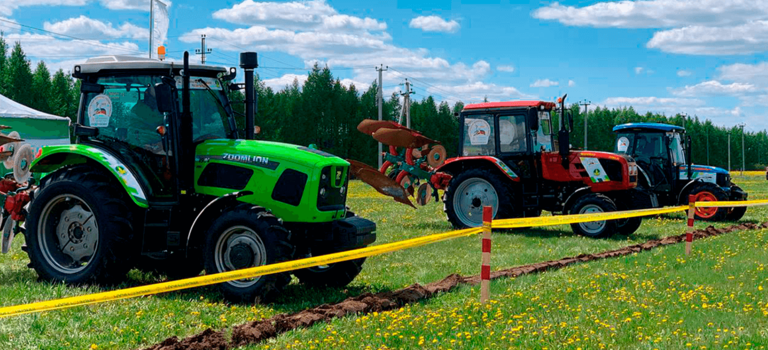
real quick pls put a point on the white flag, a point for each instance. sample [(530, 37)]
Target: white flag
[(159, 25)]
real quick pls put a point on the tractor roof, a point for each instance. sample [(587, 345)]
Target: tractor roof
[(510, 104), (649, 126), (97, 64)]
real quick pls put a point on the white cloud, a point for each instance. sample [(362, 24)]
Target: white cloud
[(683, 73), (140, 5), (286, 80), (742, 39), (477, 91), (8, 6), (674, 105), (715, 88), (656, 13), (87, 28), (44, 46), (571, 83), (508, 69), (544, 83), (306, 15), (749, 73), (434, 24), (639, 70)]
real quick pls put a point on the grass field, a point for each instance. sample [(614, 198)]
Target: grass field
[(573, 303)]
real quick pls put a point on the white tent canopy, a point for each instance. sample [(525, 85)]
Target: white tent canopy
[(13, 109)]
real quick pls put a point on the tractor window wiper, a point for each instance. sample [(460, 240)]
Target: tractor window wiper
[(215, 97)]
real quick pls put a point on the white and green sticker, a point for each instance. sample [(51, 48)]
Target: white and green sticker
[(594, 169), (99, 111)]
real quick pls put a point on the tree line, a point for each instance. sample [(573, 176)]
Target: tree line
[(324, 112)]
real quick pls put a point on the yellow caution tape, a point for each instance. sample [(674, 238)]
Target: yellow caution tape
[(729, 204), (578, 218), (287, 266), (231, 275)]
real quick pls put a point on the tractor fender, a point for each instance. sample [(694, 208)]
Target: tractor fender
[(455, 165), (575, 195), (216, 206), (682, 197), (52, 158)]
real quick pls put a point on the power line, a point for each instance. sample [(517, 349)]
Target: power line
[(423, 82), (85, 41)]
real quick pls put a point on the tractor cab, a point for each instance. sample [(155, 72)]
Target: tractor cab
[(659, 150)]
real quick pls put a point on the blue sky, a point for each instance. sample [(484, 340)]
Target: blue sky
[(704, 58)]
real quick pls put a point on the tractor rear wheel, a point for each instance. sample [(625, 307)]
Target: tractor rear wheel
[(79, 228), (470, 191), (736, 213), (709, 192), (337, 274), (248, 236), (591, 204)]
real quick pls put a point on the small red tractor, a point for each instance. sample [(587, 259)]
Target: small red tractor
[(512, 159)]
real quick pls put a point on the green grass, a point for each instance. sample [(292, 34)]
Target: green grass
[(140, 322)]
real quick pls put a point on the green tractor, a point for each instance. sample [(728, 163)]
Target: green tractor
[(160, 178)]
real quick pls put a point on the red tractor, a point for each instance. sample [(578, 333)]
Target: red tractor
[(512, 159)]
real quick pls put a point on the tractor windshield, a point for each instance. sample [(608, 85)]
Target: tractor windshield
[(479, 136)]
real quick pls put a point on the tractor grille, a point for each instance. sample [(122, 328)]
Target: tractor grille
[(613, 169)]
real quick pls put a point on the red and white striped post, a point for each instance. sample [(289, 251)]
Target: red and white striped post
[(485, 269), (689, 229)]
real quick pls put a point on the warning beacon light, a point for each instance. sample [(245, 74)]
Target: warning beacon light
[(161, 53)]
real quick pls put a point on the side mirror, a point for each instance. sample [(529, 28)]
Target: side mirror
[(91, 88), (533, 119), (164, 97)]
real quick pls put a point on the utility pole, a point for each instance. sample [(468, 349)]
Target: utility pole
[(380, 69), (202, 51), (707, 147), (406, 105), (729, 151), (743, 160), (585, 103), (151, 24)]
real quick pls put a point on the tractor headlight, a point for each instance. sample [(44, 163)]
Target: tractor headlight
[(323, 192), (332, 192)]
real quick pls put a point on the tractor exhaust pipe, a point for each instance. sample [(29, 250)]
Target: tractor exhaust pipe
[(187, 151), (563, 136), (248, 62)]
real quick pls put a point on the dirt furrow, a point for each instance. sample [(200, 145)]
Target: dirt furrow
[(258, 331)]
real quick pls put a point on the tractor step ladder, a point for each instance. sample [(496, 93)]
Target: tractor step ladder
[(531, 194)]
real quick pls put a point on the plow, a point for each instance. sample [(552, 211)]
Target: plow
[(410, 165), (17, 156)]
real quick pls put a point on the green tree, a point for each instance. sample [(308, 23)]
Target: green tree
[(61, 95), (42, 89), (3, 64), (18, 80)]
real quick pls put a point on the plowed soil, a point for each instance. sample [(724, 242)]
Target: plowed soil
[(258, 331)]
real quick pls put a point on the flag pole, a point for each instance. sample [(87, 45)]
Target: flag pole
[(151, 24)]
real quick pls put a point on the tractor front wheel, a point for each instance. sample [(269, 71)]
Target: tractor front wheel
[(248, 236), (79, 228), (337, 274), (709, 192), (594, 203), (470, 191), (735, 213)]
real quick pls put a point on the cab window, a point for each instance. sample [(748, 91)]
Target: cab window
[(479, 135), (544, 135), (512, 134)]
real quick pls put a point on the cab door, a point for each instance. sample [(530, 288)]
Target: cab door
[(514, 143)]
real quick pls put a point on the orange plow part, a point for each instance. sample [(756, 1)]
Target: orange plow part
[(380, 182)]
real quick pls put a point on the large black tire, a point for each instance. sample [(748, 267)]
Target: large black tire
[(253, 237), (628, 226), (707, 191), (594, 203), (470, 214), (639, 198), (99, 214), (334, 275), (736, 213)]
